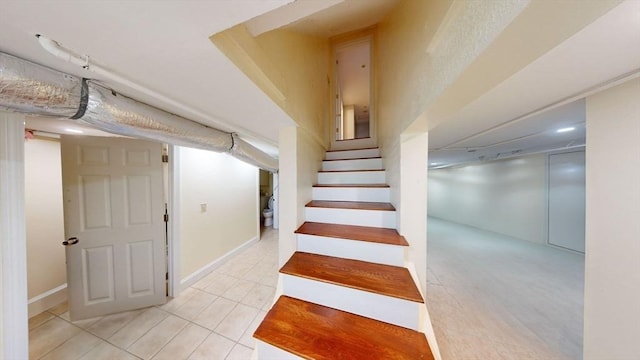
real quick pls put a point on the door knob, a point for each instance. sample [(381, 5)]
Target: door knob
[(70, 241)]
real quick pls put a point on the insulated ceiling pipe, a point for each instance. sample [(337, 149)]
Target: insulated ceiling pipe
[(30, 88)]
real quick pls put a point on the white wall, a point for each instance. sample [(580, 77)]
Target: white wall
[(300, 160), (612, 263), (507, 197), (229, 188), (46, 267)]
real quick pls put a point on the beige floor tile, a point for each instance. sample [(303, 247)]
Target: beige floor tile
[(237, 322), (220, 283), (49, 336), (247, 338), (270, 279), (75, 347), (205, 281), (137, 327), (110, 324), (211, 316), (239, 290), (151, 342), (39, 319), (181, 346), (258, 296), (173, 304), (214, 347), (198, 302), (240, 352), (60, 308), (106, 351), (84, 324)]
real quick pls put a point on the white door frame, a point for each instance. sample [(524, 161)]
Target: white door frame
[(173, 233), (14, 333)]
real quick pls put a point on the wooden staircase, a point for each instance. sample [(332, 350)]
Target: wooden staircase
[(346, 293)]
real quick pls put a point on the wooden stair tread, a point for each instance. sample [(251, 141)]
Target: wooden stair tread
[(360, 158), (352, 232), (351, 185), (343, 171), (357, 205), (381, 279), (313, 331)]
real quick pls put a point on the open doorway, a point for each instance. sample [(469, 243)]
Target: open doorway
[(267, 199), (47, 272), (353, 89)]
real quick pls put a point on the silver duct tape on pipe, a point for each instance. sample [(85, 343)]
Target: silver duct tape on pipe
[(121, 115), (246, 152), (31, 88)]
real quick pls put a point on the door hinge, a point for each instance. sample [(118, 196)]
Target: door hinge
[(166, 218), (165, 158)]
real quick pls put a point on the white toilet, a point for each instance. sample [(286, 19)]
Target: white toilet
[(268, 213)]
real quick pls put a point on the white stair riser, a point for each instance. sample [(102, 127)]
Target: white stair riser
[(375, 218), (375, 306), (351, 194), (359, 164), (352, 154), (270, 352), (356, 177), (352, 249)]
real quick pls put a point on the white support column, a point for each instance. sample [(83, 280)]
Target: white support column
[(612, 256), (13, 254), (413, 200)]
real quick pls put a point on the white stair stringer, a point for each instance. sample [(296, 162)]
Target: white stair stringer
[(352, 177), (386, 254), (358, 217), (384, 308), (346, 193), (355, 164), (352, 154)]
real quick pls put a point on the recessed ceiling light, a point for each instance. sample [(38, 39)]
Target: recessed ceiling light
[(433, 164), (565, 129), (74, 131)]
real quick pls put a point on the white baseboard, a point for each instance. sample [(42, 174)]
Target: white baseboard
[(205, 270), (48, 299)]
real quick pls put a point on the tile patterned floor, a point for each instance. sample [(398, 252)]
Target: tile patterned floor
[(213, 319)]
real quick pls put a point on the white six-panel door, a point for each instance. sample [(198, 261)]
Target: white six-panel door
[(113, 206)]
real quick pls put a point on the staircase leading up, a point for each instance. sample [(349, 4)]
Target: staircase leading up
[(346, 293)]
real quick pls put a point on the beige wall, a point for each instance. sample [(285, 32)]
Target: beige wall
[(291, 68), (46, 267), (507, 196), (229, 188), (300, 160), (612, 257), (410, 79)]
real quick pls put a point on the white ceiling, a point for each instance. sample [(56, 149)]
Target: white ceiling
[(511, 118), (164, 46), (161, 45)]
